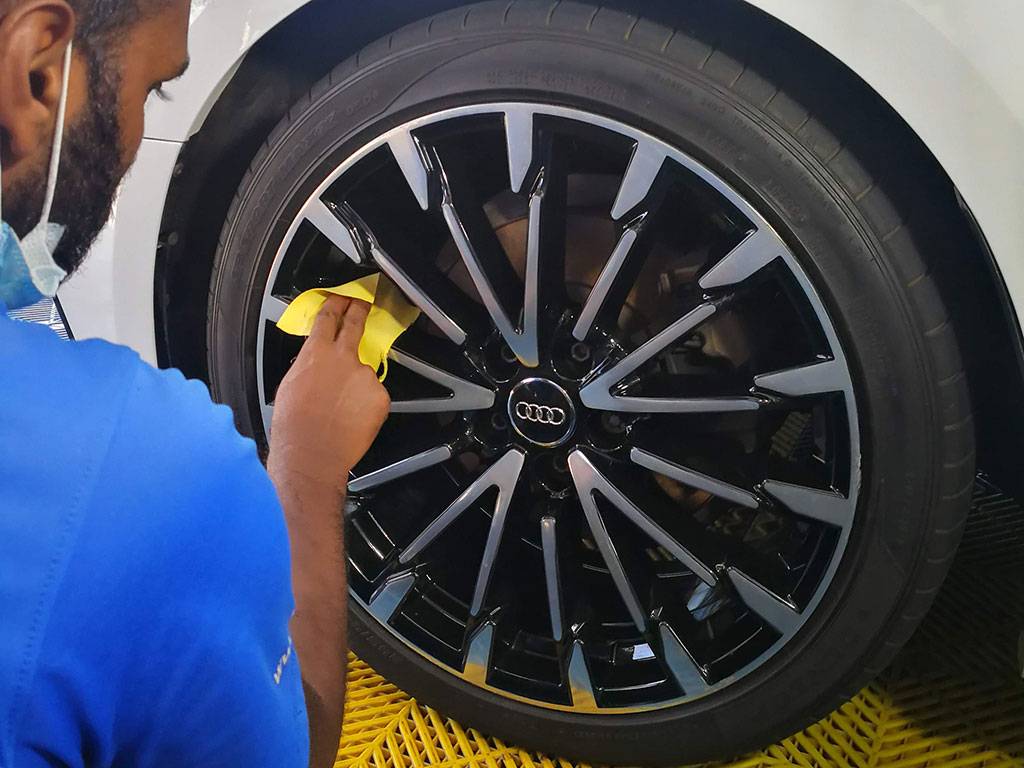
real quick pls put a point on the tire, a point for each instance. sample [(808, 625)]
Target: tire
[(846, 230)]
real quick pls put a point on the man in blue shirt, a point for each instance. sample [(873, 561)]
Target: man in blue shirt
[(159, 590)]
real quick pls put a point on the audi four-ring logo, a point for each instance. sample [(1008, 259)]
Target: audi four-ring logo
[(540, 414)]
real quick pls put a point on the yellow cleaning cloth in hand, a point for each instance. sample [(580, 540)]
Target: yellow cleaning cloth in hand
[(390, 316)]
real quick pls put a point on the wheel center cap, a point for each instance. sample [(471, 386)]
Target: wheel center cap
[(541, 411)]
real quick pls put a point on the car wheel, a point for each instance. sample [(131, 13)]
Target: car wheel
[(679, 448)]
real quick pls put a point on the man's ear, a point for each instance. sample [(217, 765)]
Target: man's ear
[(34, 35)]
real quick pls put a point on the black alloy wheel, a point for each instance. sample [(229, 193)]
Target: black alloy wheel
[(666, 515)]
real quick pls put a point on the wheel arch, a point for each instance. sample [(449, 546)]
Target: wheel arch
[(302, 47), (222, 137)]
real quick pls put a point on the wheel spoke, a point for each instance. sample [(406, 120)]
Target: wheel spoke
[(580, 685), (826, 506), (387, 599), (328, 222), (643, 169), (653, 346), (756, 251), (412, 160), (401, 277), (529, 340), (589, 480), (549, 546), (545, 291), (417, 296), (519, 139), (267, 410), (491, 301), (678, 404), (607, 549), (598, 395), (682, 666), (401, 468), (694, 479), (465, 395), (503, 475), (506, 481), (813, 379), (478, 655), (485, 261), (273, 308), (610, 274), (783, 616), (524, 347)]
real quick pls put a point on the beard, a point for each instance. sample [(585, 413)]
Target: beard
[(91, 168)]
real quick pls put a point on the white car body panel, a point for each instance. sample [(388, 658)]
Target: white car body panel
[(950, 68), (111, 296)]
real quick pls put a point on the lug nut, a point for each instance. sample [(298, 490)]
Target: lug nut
[(580, 352), (499, 422), (507, 354), (561, 463)]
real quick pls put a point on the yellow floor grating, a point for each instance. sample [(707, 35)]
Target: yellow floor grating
[(953, 698)]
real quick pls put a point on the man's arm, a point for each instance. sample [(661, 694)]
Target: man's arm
[(327, 412), (318, 627)]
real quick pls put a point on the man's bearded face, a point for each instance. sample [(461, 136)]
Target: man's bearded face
[(91, 168)]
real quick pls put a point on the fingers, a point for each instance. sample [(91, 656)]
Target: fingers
[(330, 318), (353, 324)]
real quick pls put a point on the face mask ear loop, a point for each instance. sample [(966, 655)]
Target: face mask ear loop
[(58, 139)]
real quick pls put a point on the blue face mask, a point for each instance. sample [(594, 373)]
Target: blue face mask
[(28, 272)]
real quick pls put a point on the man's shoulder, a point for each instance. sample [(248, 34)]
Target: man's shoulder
[(79, 416), (48, 379), (39, 362), (91, 426)]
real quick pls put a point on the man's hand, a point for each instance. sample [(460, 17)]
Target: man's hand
[(329, 406), (327, 412)]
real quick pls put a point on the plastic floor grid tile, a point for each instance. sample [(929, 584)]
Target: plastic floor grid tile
[(953, 698)]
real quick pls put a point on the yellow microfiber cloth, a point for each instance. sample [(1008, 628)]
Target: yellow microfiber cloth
[(390, 316)]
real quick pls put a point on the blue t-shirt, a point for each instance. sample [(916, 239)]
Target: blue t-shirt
[(145, 584)]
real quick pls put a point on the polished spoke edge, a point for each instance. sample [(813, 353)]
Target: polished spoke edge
[(694, 479), (465, 395), (524, 346), (503, 474), (644, 166), (605, 546), (549, 547), (401, 468), (682, 666), (589, 479), (411, 159), (478, 655), (580, 685), (756, 251), (776, 611), (387, 599), (598, 395), (505, 478), (519, 141), (599, 293), (825, 506)]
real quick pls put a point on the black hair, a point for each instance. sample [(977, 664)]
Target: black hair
[(101, 21)]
